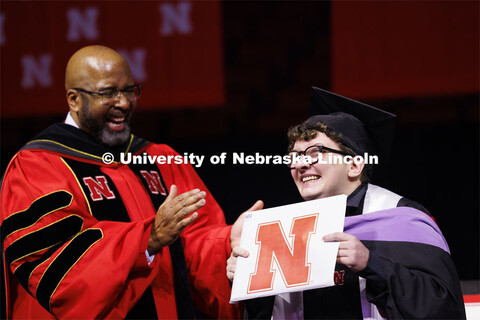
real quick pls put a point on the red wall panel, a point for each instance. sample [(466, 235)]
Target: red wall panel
[(405, 48)]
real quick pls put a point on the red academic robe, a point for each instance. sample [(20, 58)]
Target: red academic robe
[(66, 257)]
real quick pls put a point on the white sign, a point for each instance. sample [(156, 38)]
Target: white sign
[(286, 249)]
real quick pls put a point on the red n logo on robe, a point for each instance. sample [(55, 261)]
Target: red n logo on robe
[(154, 182), (98, 188), (291, 260)]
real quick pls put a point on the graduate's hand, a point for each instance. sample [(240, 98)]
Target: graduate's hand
[(351, 252), (236, 231), (173, 216), (232, 261)]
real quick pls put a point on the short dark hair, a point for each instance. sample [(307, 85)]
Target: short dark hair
[(307, 131)]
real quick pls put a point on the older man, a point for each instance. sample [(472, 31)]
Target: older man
[(88, 238), (390, 264)]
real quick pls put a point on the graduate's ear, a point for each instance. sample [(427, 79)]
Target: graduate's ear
[(74, 100), (355, 168)]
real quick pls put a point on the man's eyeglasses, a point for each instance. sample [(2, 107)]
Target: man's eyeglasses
[(131, 93), (311, 155)]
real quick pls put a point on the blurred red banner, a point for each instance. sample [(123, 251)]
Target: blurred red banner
[(173, 47), (405, 48)]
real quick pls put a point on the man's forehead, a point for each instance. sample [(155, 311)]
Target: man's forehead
[(97, 64), (321, 138), (112, 82), (108, 74)]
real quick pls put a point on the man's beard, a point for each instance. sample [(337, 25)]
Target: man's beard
[(100, 130)]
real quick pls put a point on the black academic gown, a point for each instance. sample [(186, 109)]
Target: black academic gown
[(425, 294)]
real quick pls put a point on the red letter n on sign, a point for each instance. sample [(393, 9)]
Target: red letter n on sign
[(98, 188), (154, 182), (291, 262)]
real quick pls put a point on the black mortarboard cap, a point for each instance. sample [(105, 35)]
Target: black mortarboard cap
[(364, 128)]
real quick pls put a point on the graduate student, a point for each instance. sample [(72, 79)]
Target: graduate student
[(85, 236), (392, 264)]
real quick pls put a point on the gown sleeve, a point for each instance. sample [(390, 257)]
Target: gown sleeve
[(206, 243), (60, 253), (409, 279)]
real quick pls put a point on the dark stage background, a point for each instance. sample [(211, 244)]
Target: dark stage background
[(273, 52)]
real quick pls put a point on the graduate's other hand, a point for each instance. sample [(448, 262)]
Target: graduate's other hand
[(173, 216), (351, 252), (232, 261), (236, 231)]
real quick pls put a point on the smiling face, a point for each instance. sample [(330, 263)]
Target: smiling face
[(320, 180), (100, 69)]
